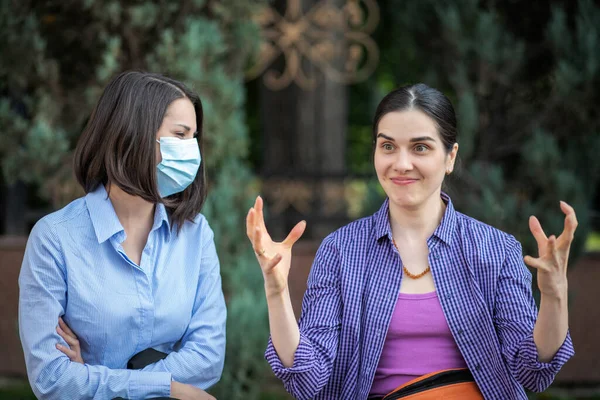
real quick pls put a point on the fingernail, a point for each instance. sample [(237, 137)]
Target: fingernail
[(58, 346)]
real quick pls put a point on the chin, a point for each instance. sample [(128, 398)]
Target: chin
[(405, 199), (408, 197)]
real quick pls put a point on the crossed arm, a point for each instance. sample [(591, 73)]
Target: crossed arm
[(43, 299)]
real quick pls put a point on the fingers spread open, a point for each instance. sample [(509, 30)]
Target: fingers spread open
[(272, 263), (570, 222), (250, 223), (535, 263), (295, 234), (257, 242), (566, 208), (538, 232), (556, 259), (260, 221), (552, 243)]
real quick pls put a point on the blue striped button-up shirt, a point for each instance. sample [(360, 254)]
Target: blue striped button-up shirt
[(75, 266), (483, 286)]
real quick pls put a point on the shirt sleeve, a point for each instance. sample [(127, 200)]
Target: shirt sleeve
[(515, 315), (319, 328), (200, 359), (42, 299)]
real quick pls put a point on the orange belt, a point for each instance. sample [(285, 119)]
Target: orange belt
[(449, 384)]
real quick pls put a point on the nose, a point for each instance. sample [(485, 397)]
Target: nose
[(403, 161)]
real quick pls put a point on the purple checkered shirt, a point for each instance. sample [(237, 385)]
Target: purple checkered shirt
[(483, 286)]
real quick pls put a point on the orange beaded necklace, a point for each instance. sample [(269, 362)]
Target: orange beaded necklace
[(407, 272)]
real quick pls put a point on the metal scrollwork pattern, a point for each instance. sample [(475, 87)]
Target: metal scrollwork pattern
[(334, 40)]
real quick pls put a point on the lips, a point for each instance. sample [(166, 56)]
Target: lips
[(403, 181)]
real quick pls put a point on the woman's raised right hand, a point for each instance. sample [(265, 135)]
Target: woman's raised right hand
[(274, 257)]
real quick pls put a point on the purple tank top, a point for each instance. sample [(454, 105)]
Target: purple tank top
[(418, 342)]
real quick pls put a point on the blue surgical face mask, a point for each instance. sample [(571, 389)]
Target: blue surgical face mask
[(179, 165)]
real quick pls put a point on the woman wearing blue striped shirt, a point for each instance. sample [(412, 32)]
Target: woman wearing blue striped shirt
[(417, 292), (131, 268)]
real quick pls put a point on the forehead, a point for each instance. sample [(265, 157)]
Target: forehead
[(181, 110), (408, 123)]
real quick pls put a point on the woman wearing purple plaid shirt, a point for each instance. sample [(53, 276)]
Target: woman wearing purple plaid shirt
[(417, 287)]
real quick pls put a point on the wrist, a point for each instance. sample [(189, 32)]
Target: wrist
[(558, 295), (175, 386), (274, 287), (275, 293)]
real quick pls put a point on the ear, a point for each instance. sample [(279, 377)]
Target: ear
[(451, 159)]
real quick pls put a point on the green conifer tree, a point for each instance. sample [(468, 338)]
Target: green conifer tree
[(53, 71), (523, 80)]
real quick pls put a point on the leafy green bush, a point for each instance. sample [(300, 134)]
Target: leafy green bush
[(526, 101), (51, 74)]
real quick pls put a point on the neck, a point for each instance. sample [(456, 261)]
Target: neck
[(417, 222), (132, 211)]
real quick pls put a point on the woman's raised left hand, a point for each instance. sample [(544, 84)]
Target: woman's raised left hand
[(74, 350), (551, 264)]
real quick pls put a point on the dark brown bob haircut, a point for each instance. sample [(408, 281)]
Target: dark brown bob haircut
[(117, 146)]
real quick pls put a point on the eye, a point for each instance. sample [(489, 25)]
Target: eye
[(387, 146), (180, 134), (421, 148)]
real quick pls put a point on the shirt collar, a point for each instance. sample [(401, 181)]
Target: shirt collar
[(382, 221), (443, 232), (104, 218), (161, 217), (447, 225)]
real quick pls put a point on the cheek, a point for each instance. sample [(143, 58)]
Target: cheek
[(158, 155), (429, 168), (380, 163), (436, 169)]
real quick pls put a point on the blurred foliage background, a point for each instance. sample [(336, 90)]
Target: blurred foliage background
[(524, 80), (58, 57), (523, 76)]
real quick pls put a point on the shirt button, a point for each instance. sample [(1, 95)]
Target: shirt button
[(478, 368), (460, 331)]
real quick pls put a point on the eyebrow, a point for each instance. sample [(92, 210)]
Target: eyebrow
[(417, 139), (187, 128), (422, 139)]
